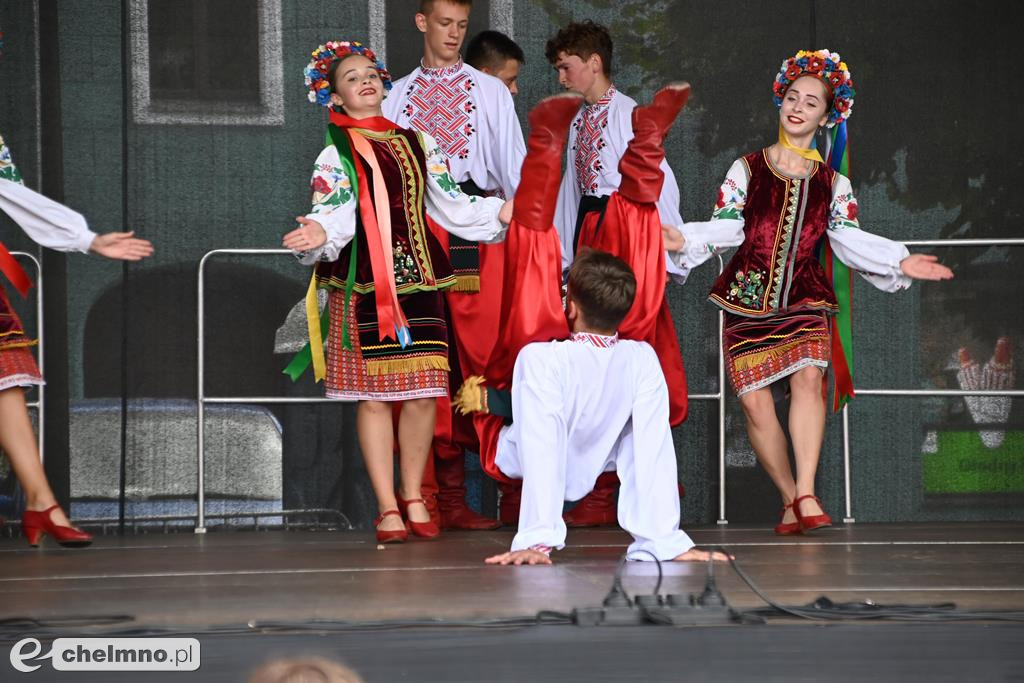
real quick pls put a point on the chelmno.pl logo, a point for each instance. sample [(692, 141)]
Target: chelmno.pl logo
[(109, 654)]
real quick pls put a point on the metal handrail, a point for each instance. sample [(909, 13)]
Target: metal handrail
[(40, 402), (970, 242), (720, 396)]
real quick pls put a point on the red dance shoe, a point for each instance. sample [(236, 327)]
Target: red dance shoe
[(391, 535), (787, 528), (598, 507), (421, 529), (811, 522), (34, 524)]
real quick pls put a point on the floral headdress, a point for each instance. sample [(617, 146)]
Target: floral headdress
[(827, 67), (325, 55)]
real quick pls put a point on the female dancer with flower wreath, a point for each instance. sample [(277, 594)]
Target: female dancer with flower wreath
[(782, 316), (368, 237)]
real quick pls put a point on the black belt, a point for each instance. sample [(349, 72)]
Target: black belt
[(588, 204)]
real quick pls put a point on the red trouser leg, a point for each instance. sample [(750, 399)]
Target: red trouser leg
[(631, 230)]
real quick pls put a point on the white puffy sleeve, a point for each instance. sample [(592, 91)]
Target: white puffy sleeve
[(876, 258), (704, 239), (508, 149), (47, 222), (335, 204), (471, 218), (568, 204)]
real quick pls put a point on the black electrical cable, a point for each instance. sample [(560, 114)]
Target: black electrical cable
[(617, 581), (824, 609)]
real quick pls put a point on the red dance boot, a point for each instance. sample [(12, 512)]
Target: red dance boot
[(429, 487), (640, 165), (598, 507), (541, 174), (451, 498), (508, 506), (34, 524)]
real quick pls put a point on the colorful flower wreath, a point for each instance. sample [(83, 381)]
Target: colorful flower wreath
[(325, 55), (827, 67)]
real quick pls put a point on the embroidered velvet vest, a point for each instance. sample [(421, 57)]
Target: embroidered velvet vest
[(420, 261), (776, 269)]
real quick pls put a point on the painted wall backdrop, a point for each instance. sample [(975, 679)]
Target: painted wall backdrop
[(219, 152)]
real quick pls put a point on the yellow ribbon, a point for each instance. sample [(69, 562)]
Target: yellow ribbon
[(316, 339), (809, 153)]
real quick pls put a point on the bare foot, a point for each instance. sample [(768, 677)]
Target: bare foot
[(518, 557), (697, 555)]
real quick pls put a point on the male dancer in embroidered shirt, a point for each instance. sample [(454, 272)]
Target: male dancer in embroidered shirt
[(494, 53), (582, 54), (472, 117), (556, 414), (585, 402)]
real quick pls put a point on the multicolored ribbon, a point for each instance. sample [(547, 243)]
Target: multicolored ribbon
[(13, 271), (841, 277), (376, 219)]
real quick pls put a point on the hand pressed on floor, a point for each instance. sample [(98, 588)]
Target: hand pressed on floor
[(518, 557)]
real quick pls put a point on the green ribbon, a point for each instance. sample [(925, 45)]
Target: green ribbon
[(304, 358)]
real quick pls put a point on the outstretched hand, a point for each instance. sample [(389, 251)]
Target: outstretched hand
[(121, 246), (308, 236), (925, 267), (674, 240), (518, 557)]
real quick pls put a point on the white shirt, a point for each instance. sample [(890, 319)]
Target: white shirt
[(472, 117), (48, 223), (580, 405), (597, 140)]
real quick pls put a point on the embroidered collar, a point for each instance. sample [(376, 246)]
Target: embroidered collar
[(603, 101), (441, 71), (599, 340)]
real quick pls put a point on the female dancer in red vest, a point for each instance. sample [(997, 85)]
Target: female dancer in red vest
[(368, 237), (779, 204)]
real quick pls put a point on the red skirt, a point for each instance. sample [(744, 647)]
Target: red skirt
[(18, 366), (760, 351), (382, 371)]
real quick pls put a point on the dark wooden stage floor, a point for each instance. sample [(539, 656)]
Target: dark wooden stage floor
[(252, 596), (234, 577)]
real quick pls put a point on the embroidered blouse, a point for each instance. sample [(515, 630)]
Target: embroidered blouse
[(777, 221), (417, 178)]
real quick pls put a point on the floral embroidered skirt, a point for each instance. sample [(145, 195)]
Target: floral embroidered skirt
[(18, 366), (375, 370), (760, 351)]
